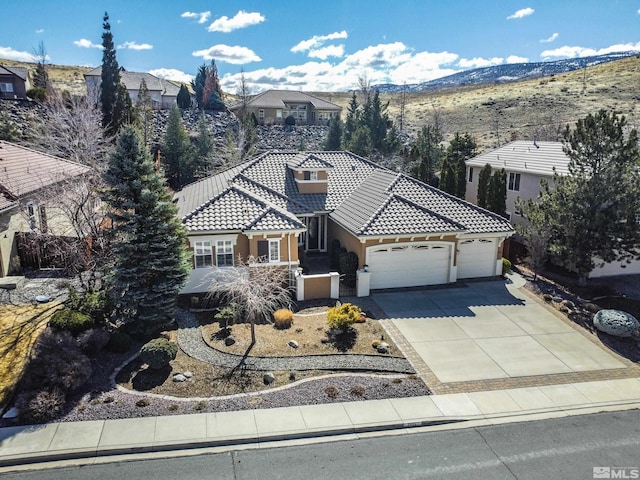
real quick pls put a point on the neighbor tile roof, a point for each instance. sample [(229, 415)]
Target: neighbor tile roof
[(132, 81), (364, 198), (278, 98), (21, 72), (24, 171), (537, 158)]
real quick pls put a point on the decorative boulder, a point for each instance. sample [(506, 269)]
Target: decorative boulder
[(188, 374), (179, 378), (230, 340), (383, 347), (617, 323), (268, 378), (293, 344)]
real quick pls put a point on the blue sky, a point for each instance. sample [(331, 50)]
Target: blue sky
[(319, 45)]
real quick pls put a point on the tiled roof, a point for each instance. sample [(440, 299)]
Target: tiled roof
[(237, 209), (538, 158), (24, 171), (304, 161), (21, 72), (278, 98), (132, 81), (364, 198)]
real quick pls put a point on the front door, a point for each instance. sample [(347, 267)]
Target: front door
[(313, 233)]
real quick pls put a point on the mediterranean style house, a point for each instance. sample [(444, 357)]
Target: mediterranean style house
[(14, 82), (163, 93), (526, 164), (274, 106), (26, 176), (284, 207)]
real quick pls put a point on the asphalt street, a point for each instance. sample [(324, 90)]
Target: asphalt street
[(563, 448)]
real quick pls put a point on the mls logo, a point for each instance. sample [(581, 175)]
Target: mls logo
[(601, 472)]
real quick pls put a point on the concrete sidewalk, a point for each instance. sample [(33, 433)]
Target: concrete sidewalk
[(96, 439)]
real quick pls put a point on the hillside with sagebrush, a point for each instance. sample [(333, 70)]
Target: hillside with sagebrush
[(494, 113)]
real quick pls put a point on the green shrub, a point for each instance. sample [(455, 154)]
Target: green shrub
[(332, 392), (119, 342), (92, 302), (158, 352), (71, 321), (282, 318), (343, 317), (348, 266), (226, 316), (39, 94), (506, 266), (215, 102), (290, 121)]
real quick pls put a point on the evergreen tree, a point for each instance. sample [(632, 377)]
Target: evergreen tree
[(447, 177), (204, 147), (184, 97), (198, 85), (150, 261), (460, 149), (594, 209), (427, 154), (392, 142), (144, 110), (41, 76), (484, 180), (122, 113), (497, 197), (177, 154), (334, 136), (351, 122), (374, 116), (110, 78), (212, 92), (360, 143)]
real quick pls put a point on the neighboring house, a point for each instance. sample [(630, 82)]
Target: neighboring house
[(14, 82), (526, 163), (283, 206), (274, 106), (163, 93), (25, 177)]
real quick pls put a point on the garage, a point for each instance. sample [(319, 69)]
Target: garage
[(477, 257), (409, 264)]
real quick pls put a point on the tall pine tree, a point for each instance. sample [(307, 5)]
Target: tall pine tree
[(497, 197), (177, 153), (150, 261), (110, 78), (460, 149), (334, 136), (484, 181)]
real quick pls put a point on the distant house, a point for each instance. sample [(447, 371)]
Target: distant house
[(526, 163), (26, 176), (274, 106), (14, 82), (163, 93)]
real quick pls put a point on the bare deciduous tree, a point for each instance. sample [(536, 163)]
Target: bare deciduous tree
[(257, 289), (70, 128)]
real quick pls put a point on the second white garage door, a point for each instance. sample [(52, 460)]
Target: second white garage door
[(408, 265), (477, 258)]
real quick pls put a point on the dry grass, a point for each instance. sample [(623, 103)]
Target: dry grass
[(310, 331), (20, 326)]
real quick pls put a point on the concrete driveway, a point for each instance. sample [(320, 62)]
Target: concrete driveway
[(489, 330)]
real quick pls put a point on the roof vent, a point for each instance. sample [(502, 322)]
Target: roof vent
[(353, 167)]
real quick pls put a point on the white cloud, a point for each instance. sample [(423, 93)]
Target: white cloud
[(573, 52), (242, 19), (639, 11), (40, 30), (328, 51), (84, 43), (202, 17), (550, 39), (524, 12), (385, 63), (226, 53), (172, 74), (11, 54), (135, 46), (517, 59), (317, 41), (479, 62)]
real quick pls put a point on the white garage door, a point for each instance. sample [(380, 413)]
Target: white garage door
[(408, 265), (477, 258)]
